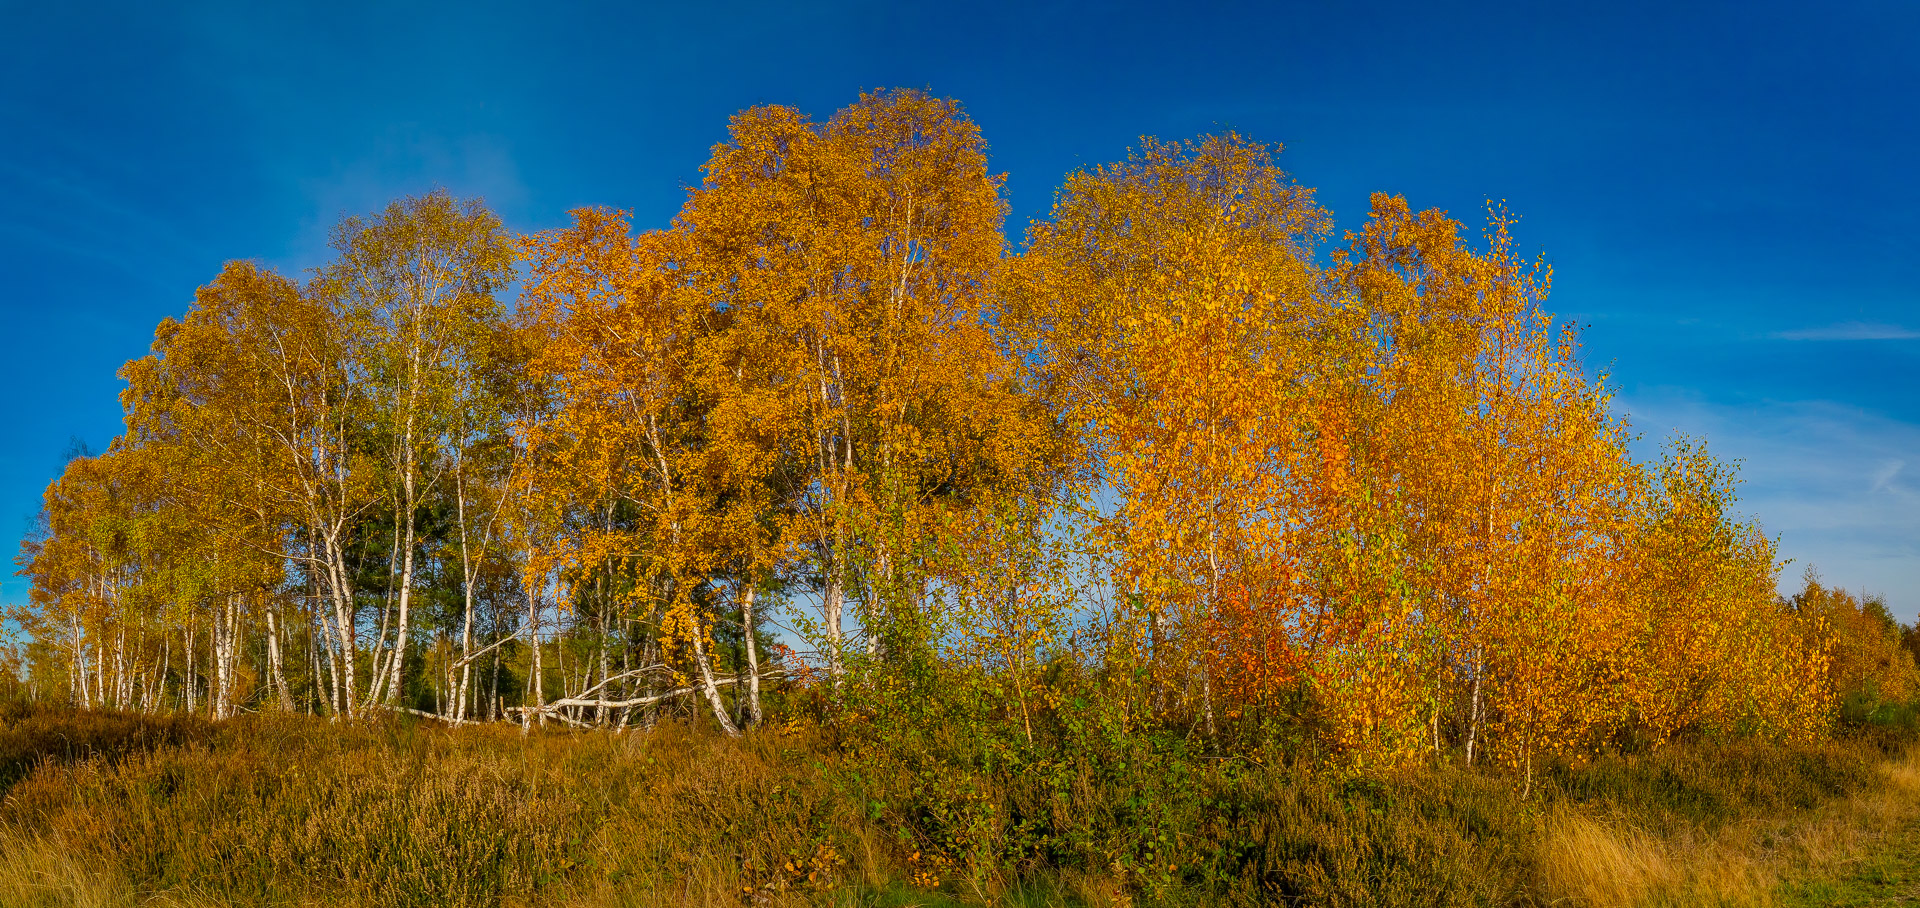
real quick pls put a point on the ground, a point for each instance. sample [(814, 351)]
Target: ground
[(1887, 873)]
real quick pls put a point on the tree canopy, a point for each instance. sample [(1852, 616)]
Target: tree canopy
[(1183, 459)]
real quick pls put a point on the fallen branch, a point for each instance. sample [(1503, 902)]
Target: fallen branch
[(557, 717), (483, 651), (415, 712), (637, 701), (620, 677)]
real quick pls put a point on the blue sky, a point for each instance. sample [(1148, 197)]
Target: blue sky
[(1727, 191)]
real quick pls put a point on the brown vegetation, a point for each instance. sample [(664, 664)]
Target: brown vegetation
[(1169, 558), (294, 811)]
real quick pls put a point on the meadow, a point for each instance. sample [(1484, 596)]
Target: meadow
[(105, 808), (826, 546)]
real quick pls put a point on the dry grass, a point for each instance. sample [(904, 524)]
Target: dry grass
[(1608, 860), (37, 871), (297, 812)]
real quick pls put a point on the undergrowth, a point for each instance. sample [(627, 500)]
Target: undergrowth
[(106, 808)]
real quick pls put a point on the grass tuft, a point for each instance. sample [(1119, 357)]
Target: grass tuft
[(112, 809)]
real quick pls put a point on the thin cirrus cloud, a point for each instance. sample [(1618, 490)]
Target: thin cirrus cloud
[(1835, 483), (1849, 331), (403, 161)]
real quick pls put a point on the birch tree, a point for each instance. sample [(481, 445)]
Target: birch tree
[(414, 285)]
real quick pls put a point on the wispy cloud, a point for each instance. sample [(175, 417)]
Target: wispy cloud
[(1849, 331), (405, 161), (1829, 479), (1887, 472)]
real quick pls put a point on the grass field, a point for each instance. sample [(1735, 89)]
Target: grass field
[(111, 809), (1881, 866)]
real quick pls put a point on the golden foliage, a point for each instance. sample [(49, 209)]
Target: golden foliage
[(1368, 492)]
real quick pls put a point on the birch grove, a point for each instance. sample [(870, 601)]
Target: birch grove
[(828, 437)]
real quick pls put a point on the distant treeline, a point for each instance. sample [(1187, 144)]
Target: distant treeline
[(1184, 462)]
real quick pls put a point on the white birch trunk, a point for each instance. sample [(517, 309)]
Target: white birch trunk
[(166, 665), (275, 666), (600, 713), (538, 682), (1473, 725), (402, 627), (833, 601), (121, 688), (753, 656), (466, 588), (381, 656), (340, 627), (189, 680), (77, 670), (225, 647), (707, 686)]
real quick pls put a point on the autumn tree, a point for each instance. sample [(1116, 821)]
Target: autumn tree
[(414, 287), (1714, 651), (845, 265), (248, 406), (625, 453), (1174, 454), (1173, 315), (1498, 473)]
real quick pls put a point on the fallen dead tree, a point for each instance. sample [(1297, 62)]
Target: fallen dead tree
[(553, 709)]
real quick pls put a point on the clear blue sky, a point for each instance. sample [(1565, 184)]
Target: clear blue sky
[(1727, 191)]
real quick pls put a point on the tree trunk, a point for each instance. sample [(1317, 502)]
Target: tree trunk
[(651, 656), (380, 657), (216, 664), (78, 672), (626, 670), (410, 502), (753, 655), (275, 665), (402, 631), (100, 691), (877, 603), (493, 679), (166, 665), (1473, 724), (600, 713), (465, 683), (225, 639), (1157, 690), (834, 600), (1213, 602), (390, 688), (190, 680), (708, 687), (340, 627), (120, 685), (315, 686), (537, 681)]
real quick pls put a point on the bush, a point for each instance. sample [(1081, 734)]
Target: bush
[(1097, 809)]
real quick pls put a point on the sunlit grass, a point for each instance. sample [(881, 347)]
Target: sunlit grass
[(126, 810)]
